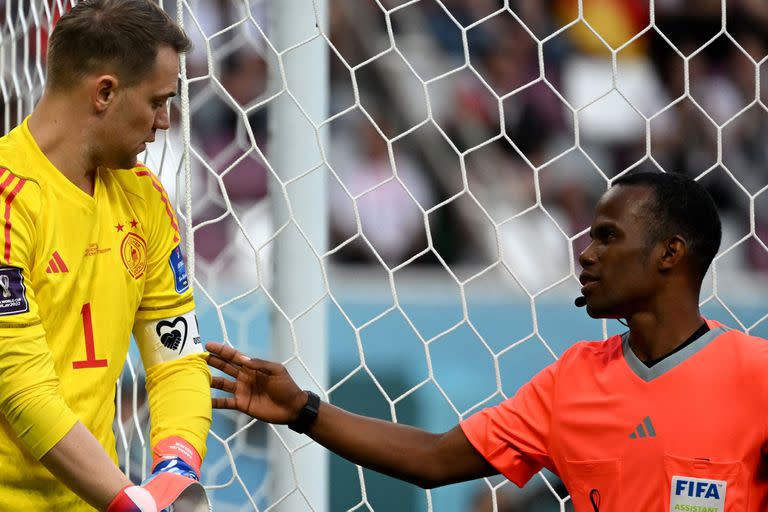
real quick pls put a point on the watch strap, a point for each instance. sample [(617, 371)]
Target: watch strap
[(307, 415)]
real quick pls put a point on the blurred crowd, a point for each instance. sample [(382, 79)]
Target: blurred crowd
[(493, 105), (522, 110)]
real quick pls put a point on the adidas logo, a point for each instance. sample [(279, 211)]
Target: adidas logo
[(56, 264), (644, 429)]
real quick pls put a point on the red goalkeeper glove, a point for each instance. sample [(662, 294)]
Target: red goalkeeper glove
[(133, 499), (160, 492), (173, 485), (175, 455)]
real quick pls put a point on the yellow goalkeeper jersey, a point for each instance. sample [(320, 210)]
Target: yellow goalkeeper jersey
[(76, 272)]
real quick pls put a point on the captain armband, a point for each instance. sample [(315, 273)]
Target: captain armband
[(169, 339)]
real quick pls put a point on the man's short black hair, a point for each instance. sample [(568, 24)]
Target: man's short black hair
[(680, 206)]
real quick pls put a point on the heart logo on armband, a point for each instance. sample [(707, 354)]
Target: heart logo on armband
[(173, 334)]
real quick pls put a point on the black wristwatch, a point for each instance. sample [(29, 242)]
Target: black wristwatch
[(308, 414)]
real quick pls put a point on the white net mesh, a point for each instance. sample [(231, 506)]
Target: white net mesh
[(455, 157)]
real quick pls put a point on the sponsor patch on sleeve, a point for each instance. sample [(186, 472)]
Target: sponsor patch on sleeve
[(179, 269), (13, 293)]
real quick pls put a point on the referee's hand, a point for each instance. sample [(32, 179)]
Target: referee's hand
[(259, 388)]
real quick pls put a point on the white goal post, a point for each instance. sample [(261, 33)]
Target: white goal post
[(389, 196)]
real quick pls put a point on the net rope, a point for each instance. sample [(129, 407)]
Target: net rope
[(237, 73)]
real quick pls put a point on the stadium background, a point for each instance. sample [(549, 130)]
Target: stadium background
[(532, 192)]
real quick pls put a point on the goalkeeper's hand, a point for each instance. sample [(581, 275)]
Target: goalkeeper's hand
[(162, 491), (174, 455), (133, 499), (173, 485), (175, 466)]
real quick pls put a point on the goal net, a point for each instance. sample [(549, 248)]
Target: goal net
[(390, 196)]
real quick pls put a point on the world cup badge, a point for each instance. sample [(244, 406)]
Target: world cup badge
[(5, 284), (133, 251)]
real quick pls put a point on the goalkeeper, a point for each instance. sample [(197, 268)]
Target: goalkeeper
[(91, 251), (668, 416)]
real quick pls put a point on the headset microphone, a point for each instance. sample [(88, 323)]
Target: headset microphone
[(580, 301)]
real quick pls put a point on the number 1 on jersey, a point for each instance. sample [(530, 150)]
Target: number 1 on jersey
[(90, 350)]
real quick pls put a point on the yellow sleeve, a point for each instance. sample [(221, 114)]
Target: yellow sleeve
[(29, 386), (180, 401), (167, 290), (178, 389)]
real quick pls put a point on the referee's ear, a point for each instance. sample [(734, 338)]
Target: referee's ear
[(674, 250)]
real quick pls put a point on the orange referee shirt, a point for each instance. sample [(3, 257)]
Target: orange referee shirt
[(684, 435)]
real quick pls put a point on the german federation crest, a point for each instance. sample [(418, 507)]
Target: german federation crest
[(133, 252)]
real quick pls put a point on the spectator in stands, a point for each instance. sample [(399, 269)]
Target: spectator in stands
[(390, 201)]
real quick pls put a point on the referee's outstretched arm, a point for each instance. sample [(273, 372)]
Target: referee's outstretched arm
[(267, 392)]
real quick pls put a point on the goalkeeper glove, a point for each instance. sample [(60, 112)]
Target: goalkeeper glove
[(133, 499), (174, 455), (176, 466), (164, 491)]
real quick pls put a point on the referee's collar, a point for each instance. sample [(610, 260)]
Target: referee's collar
[(662, 367)]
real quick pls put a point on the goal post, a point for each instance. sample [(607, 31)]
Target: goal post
[(297, 194)]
